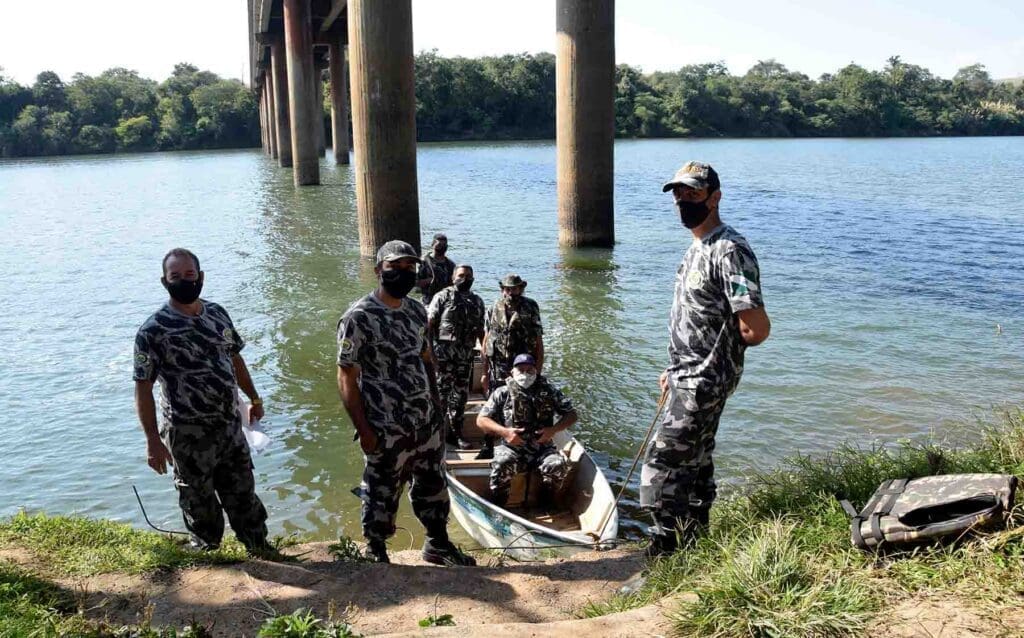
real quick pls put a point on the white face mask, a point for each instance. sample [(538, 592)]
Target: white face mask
[(524, 379)]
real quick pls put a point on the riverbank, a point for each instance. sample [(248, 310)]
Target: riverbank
[(777, 563)]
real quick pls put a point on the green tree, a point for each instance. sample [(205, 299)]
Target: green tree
[(134, 133), (49, 91)]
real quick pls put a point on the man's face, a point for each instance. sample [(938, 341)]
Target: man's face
[(683, 193), (513, 293), (177, 268), (527, 368), (462, 273), (440, 246)]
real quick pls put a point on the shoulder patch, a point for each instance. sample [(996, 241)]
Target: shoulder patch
[(694, 279), (346, 346), (141, 358)]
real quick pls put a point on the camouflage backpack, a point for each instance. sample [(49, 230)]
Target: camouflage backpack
[(903, 511)]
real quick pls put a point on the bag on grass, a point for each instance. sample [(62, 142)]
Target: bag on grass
[(907, 511)]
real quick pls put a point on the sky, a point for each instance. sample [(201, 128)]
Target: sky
[(810, 36)]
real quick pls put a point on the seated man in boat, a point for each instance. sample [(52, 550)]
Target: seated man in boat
[(522, 414)]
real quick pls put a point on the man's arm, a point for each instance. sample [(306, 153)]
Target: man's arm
[(539, 353), (512, 436), (486, 364), (158, 456), (245, 384), (428, 358), (352, 399), (755, 326)]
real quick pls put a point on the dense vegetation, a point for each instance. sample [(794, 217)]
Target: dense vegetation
[(118, 110), (513, 97)]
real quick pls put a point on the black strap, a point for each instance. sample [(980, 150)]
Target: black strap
[(888, 495)]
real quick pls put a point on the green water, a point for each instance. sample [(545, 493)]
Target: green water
[(892, 283)]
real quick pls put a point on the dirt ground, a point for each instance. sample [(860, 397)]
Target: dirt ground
[(516, 600), (381, 599)]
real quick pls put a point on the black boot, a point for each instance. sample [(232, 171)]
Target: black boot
[(500, 498), (439, 550), (376, 551)]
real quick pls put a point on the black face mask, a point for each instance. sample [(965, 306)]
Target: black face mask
[(693, 214), (463, 285), (398, 282), (183, 290), (441, 249)]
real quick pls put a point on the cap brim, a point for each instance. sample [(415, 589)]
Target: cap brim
[(692, 183), (397, 257)]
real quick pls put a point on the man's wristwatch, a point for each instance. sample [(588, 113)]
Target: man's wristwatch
[(256, 401)]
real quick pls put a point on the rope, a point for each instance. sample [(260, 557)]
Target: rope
[(146, 516), (632, 468)]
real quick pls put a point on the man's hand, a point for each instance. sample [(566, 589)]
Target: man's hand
[(369, 442), (546, 434), (158, 456), (485, 384), (663, 382), (255, 413), (512, 436)]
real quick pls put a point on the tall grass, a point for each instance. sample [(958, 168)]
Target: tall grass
[(779, 560)]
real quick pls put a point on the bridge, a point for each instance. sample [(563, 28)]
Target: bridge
[(293, 41)]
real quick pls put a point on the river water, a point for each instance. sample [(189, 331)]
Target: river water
[(890, 268)]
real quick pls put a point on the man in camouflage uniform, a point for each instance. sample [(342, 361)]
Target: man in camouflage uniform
[(192, 348), (455, 321), (522, 413), (435, 269), (386, 382), (512, 327), (717, 313)]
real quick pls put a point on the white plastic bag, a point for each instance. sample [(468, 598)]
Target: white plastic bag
[(254, 434)]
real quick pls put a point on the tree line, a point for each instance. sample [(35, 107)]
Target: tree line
[(513, 97)]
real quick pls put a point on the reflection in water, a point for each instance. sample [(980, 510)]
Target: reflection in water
[(312, 272), (589, 352)]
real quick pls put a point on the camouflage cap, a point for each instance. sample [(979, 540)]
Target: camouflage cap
[(512, 280), (697, 175), (394, 250)]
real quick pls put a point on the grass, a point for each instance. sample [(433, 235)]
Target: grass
[(70, 545), (779, 561)]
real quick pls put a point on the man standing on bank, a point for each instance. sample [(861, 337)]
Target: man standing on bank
[(386, 382), (455, 321), (522, 413), (512, 327), (192, 348), (717, 313), (435, 270)]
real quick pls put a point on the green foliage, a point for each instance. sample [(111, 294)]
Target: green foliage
[(779, 559), (347, 550), (80, 546), (444, 620), (301, 623), (120, 111)]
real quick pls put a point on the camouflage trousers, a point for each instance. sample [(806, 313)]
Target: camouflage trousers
[(401, 459), (497, 371), (214, 475), (454, 372), (509, 461), (677, 482)]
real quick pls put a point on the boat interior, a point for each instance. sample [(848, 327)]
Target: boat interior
[(573, 508)]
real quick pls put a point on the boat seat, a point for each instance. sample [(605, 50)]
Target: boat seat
[(468, 463)]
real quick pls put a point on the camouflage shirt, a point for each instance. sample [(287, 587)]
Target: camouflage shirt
[(719, 277), (388, 346), (439, 272), (457, 317), (513, 332), (191, 357), (531, 409)]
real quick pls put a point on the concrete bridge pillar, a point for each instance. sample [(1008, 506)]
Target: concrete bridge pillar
[(263, 119), (585, 121), (339, 102), (383, 122), (282, 120), (298, 42), (318, 86), (268, 83)]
